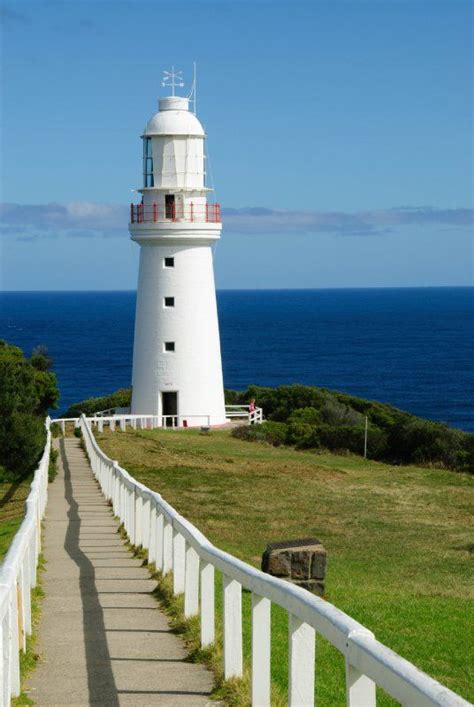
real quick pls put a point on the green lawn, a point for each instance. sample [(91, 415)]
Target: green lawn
[(399, 539), (12, 510)]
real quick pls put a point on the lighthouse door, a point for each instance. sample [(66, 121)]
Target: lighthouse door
[(170, 208), (169, 401)]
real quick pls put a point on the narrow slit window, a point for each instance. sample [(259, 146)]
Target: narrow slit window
[(169, 262), (169, 346), (148, 179), (169, 301)]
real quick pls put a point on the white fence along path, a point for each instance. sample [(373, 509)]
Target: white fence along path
[(18, 578), (174, 544)]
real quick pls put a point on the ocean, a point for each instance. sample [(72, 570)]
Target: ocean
[(412, 348)]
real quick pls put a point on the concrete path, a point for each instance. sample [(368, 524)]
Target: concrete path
[(102, 637)]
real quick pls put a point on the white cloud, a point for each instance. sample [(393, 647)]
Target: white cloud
[(92, 219)]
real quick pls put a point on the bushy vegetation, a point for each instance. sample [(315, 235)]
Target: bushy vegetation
[(121, 398), (315, 418), (28, 389)]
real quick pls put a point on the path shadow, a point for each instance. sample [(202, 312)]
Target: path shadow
[(100, 678)]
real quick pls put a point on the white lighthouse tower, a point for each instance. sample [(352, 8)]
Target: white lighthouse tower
[(177, 369)]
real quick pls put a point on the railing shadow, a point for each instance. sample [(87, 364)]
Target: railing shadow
[(100, 678)]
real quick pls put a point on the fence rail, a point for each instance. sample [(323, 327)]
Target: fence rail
[(18, 578), (174, 544), (122, 420)]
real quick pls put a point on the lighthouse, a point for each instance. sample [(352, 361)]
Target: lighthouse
[(177, 368)]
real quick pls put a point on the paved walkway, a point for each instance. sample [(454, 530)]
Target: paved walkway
[(102, 638)]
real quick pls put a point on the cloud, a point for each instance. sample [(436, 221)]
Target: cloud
[(78, 219), (361, 223), (90, 219)]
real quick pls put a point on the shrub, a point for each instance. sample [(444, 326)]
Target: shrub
[(27, 390), (274, 433), (302, 435), (121, 399), (425, 442), (309, 416)]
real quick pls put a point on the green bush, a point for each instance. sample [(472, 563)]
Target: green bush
[(27, 391), (274, 433), (310, 418), (121, 399), (317, 417)]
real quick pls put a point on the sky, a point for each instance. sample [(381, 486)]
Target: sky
[(339, 135)]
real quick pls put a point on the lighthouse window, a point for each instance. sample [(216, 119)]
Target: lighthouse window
[(169, 301), (169, 262), (148, 180), (169, 346)]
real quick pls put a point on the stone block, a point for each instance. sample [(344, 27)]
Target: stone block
[(311, 585), (318, 565), (302, 562)]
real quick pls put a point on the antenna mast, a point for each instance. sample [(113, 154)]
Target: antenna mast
[(193, 93), (173, 78)]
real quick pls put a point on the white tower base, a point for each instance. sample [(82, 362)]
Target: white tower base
[(184, 386)]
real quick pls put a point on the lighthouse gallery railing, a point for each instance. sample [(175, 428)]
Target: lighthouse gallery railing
[(174, 544), (190, 213)]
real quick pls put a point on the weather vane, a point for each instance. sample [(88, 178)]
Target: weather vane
[(173, 78)]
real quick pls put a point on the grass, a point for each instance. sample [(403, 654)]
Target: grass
[(399, 539), (12, 510)]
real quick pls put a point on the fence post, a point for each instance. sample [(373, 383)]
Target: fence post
[(232, 628), (138, 519), (360, 689), (146, 523), (159, 540), (4, 682), (179, 560), (167, 547), (14, 646), (207, 604), (191, 589), (123, 424), (152, 543), (301, 639), (261, 628), (26, 593)]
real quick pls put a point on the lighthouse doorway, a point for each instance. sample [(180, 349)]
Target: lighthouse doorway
[(170, 207), (169, 407)]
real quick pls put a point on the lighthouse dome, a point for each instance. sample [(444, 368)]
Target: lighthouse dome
[(173, 118)]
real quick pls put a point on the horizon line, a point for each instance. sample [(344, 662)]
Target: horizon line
[(261, 289)]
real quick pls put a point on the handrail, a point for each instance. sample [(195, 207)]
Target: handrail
[(17, 579), (154, 213), (174, 544)]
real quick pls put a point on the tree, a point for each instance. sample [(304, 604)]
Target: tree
[(28, 389)]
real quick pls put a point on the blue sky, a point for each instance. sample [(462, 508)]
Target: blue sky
[(340, 137)]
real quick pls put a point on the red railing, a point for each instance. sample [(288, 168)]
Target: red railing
[(153, 213)]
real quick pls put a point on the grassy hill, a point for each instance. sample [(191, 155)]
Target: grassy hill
[(399, 538)]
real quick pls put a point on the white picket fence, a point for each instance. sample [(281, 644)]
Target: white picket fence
[(174, 544), (254, 417), (18, 578)]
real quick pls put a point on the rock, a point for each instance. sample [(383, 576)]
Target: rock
[(302, 562), (311, 585)]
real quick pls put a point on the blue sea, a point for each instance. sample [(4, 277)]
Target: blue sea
[(412, 348)]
